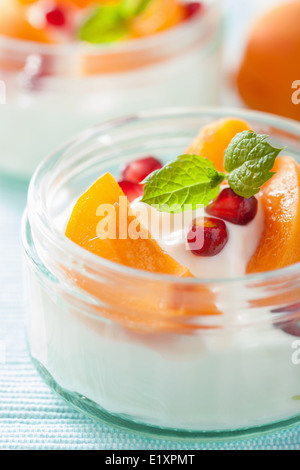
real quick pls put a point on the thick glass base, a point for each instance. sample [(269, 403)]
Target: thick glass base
[(126, 423)]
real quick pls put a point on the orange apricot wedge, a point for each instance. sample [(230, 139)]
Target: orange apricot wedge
[(158, 16), (113, 62), (280, 198), (79, 3), (27, 2), (214, 138), (14, 24), (100, 209), (161, 307)]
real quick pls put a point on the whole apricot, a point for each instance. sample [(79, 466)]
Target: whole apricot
[(271, 65)]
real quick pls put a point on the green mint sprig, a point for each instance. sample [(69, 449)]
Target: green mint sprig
[(192, 180), (109, 23), (249, 160), (187, 180)]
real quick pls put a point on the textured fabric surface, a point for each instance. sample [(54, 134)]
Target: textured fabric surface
[(31, 415)]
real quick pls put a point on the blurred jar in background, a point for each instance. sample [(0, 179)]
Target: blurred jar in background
[(69, 64)]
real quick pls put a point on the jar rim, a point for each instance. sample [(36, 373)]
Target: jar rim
[(127, 46), (36, 207)]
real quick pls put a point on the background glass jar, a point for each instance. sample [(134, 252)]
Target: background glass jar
[(53, 92), (140, 350)]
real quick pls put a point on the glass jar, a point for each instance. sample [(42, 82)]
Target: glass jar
[(53, 92), (129, 347)]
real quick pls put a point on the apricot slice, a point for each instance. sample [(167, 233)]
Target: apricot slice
[(140, 253), (280, 198), (158, 16), (114, 62), (80, 3), (161, 308), (27, 2), (14, 24), (214, 138)]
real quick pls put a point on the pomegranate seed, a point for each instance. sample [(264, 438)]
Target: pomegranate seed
[(138, 170), (207, 237), (290, 326), (56, 17), (192, 8), (131, 189), (233, 208)]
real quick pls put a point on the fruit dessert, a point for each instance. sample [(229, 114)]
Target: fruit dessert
[(66, 65), (91, 21), (242, 200), (134, 324)]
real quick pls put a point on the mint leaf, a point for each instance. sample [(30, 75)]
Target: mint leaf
[(109, 23), (106, 24), (190, 179), (132, 8), (249, 160), (193, 180)]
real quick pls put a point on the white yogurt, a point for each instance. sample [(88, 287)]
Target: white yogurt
[(35, 122), (195, 382), (230, 262), (237, 376)]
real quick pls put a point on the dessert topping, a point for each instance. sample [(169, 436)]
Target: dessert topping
[(56, 17), (131, 189), (192, 8), (139, 169), (207, 237), (233, 208), (191, 180)]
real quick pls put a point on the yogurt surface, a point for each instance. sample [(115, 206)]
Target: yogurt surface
[(170, 232)]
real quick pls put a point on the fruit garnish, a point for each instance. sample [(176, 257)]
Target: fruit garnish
[(111, 22), (249, 160), (280, 200), (56, 17), (207, 237), (87, 227), (159, 15), (192, 9), (138, 170), (291, 327), (235, 209), (131, 189), (27, 2), (191, 180), (214, 138), (15, 24), (290, 322), (165, 308), (79, 3)]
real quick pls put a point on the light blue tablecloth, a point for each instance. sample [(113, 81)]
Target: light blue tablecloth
[(31, 415)]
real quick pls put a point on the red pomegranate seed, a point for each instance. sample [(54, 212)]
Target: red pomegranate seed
[(291, 327), (56, 17), (138, 170), (233, 208), (131, 189), (290, 322), (208, 236), (192, 8)]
